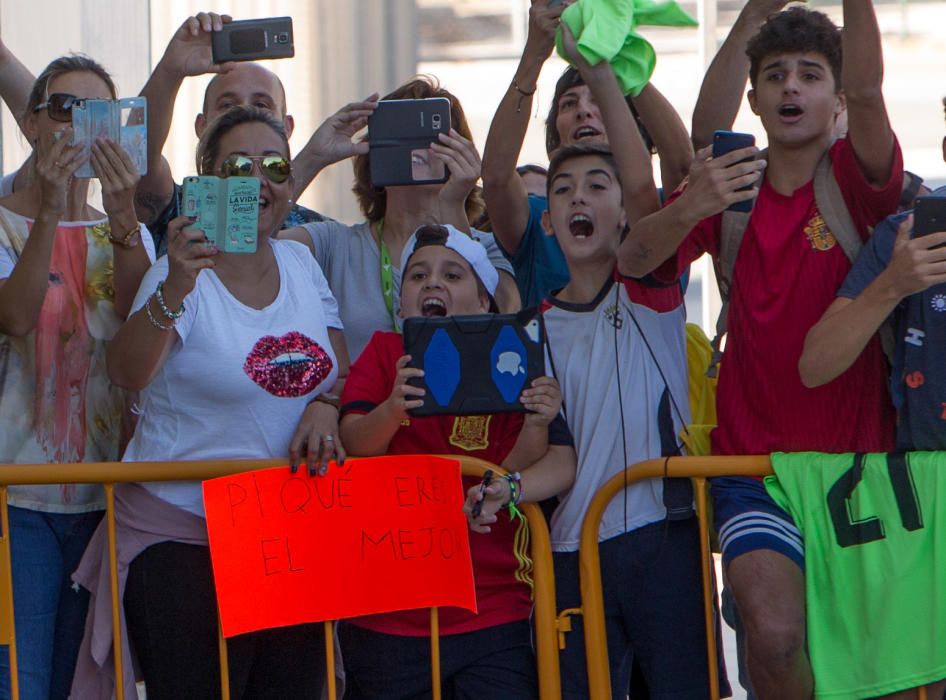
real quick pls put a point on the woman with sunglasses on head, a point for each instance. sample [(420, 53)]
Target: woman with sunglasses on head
[(237, 356), (68, 275)]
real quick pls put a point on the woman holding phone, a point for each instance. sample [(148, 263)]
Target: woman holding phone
[(68, 275), (238, 356), (361, 261)]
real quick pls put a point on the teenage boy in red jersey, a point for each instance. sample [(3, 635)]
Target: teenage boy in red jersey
[(787, 272)]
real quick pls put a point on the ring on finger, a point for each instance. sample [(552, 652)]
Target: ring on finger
[(328, 438)]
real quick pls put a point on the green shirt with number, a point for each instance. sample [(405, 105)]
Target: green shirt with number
[(875, 556)]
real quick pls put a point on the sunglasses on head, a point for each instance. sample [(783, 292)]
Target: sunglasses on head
[(59, 106), (274, 168)]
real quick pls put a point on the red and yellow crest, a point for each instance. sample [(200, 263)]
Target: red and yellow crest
[(818, 233), (470, 433)]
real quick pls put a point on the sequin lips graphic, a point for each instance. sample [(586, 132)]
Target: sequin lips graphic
[(292, 365)]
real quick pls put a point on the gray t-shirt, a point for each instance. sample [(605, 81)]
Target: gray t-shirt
[(350, 258)]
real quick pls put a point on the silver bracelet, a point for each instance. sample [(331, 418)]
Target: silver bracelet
[(154, 321), (170, 315)]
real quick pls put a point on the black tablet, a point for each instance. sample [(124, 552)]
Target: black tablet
[(475, 365), (399, 136)]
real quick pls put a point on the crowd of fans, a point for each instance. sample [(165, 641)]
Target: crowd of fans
[(126, 335)]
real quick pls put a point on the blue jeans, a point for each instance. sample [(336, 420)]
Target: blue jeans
[(49, 614)]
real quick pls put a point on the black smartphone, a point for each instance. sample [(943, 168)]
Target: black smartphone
[(726, 141), (399, 136), (929, 215), (253, 39)]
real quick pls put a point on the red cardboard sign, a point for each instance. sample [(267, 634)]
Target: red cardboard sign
[(375, 535)]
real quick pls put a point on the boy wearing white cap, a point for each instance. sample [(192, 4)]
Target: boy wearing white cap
[(444, 273)]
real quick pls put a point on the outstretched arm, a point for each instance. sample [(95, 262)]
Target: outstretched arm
[(188, 53), (668, 133), (624, 138), (712, 186), (506, 196), (725, 81), (862, 75), (15, 83), (331, 142), (837, 340)]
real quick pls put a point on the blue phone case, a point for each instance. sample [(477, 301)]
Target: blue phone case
[(124, 121), (227, 210)]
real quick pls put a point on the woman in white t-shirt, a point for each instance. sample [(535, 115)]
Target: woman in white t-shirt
[(238, 356)]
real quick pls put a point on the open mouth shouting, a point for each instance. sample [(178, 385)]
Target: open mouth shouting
[(432, 306), (290, 366), (586, 132), (581, 226), (790, 112)]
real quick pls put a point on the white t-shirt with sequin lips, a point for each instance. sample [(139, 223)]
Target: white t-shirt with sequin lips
[(237, 379)]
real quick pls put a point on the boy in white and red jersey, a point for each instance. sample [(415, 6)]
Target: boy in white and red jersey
[(617, 347), (788, 269)]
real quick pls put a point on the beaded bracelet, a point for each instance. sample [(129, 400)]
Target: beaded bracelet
[(523, 94), (154, 321), (515, 488), (170, 315)]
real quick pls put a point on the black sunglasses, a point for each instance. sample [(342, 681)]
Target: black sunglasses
[(59, 106), (275, 168)]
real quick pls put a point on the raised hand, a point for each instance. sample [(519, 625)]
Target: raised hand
[(189, 53), (714, 183), (54, 170), (543, 23), (333, 140), (463, 160), (916, 263), (118, 176), (188, 254)]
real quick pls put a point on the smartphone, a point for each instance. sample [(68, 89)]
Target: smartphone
[(227, 210), (929, 215), (399, 136), (124, 121), (253, 39), (726, 141)]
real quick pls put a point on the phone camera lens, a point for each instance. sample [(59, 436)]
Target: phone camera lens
[(282, 38)]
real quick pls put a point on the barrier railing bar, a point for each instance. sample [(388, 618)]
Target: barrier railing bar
[(116, 602), (435, 652), (596, 648), (709, 618), (329, 626), (8, 593), (224, 662)]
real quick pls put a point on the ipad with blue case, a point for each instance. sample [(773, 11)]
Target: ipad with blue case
[(475, 365)]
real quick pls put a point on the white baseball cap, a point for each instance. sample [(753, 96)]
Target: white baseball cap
[(470, 250)]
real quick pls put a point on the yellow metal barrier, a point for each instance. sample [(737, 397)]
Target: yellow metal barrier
[(111, 473), (592, 597)]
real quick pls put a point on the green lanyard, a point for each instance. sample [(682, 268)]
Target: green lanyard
[(387, 274)]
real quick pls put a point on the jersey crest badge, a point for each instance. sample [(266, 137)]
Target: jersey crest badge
[(818, 233), (470, 433)]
